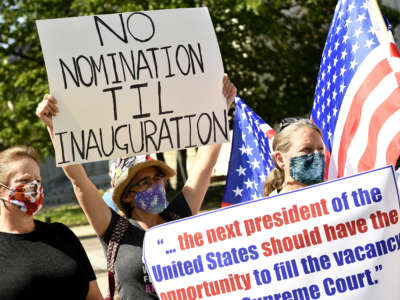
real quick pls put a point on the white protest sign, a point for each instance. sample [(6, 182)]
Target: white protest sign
[(335, 239), (134, 83)]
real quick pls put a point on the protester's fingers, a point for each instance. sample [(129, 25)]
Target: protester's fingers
[(50, 98), (225, 78), (42, 110), (42, 113), (225, 82), (225, 85), (43, 116), (232, 90), (229, 90), (46, 109), (52, 108), (49, 105)]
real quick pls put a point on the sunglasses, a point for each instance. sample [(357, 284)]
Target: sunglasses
[(144, 184), (285, 122)]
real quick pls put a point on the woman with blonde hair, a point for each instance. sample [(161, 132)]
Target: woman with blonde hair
[(38, 260), (298, 155)]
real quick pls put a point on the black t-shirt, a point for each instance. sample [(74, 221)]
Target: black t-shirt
[(130, 272), (48, 263)]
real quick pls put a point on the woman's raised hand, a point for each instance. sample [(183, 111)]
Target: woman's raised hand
[(47, 109), (229, 90)]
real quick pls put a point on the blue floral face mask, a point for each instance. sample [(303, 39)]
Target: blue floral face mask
[(153, 200), (308, 169)]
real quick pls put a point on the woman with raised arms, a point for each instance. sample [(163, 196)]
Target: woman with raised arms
[(139, 193)]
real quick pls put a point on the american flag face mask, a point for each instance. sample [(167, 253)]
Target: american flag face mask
[(28, 197)]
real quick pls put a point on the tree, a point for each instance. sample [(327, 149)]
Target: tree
[(271, 49)]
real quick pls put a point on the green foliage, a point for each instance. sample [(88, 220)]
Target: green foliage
[(69, 215), (271, 49)]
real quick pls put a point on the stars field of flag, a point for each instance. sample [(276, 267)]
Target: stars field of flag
[(250, 159), (355, 102)]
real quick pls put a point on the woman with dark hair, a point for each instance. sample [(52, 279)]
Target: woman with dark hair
[(139, 193), (38, 260), (298, 155)]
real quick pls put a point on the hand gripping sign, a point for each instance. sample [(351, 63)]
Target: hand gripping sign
[(134, 83), (331, 240)]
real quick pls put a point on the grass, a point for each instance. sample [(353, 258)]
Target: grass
[(68, 214), (72, 214)]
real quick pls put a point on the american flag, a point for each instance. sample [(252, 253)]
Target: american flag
[(357, 98), (250, 159)]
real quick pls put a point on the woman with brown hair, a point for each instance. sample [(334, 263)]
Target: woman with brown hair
[(38, 260), (139, 193), (298, 155)]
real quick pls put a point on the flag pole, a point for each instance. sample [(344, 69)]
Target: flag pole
[(380, 21)]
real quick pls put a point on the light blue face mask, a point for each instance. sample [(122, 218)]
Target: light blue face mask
[(308, 169)]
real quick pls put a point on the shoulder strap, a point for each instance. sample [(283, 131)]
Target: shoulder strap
[(116, 237)]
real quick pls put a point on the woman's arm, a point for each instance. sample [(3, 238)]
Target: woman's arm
[(89, 198), (199, 179), (94, 291)]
